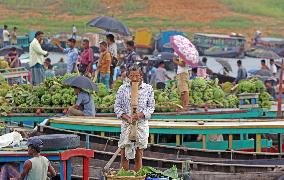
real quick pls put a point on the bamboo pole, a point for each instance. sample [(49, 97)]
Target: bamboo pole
[(279, 109), (134, 103)]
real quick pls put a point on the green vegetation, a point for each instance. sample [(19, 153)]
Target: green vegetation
[(271, 8), (30, 15), (44, 23), (130, 6), (35, 5), (83, 7), (232, 22)]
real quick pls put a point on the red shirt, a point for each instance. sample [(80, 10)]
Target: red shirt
[(87, 56)]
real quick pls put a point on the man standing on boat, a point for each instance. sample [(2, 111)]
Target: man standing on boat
[(72, 55), (122, 108), (273, 67), (242, 72), (131, 56), (182, 80), (37, 55)]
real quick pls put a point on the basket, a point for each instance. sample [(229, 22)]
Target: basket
[(113, 177)]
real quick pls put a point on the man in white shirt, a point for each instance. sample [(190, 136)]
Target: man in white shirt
[(273, 67), (37, 55), (6, 36), (182, 79)]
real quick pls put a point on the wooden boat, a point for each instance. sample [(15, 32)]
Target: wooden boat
[(218, 45), (223, 164), (223, 78), (35, 118), (274, 44), (224, 53), (162, 130)]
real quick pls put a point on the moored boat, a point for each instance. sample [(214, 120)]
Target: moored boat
[(218, 45), (171, 132)]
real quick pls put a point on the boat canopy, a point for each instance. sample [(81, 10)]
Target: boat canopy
[(210, 40)]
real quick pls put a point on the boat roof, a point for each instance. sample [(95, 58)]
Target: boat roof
[(271, 39), (220, 36)]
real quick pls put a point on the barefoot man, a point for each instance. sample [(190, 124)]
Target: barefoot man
[(145, 107)]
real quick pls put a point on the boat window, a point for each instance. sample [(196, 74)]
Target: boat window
[(218, 42), (239, 43)]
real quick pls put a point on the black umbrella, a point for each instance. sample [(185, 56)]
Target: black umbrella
[(81, 82), (6, 50), (109, 24), (225, 64)]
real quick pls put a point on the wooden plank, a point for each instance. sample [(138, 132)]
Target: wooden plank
[(280, 139), (203, 141), (178, 139), (172, 124), (258, 142), (152, 138), (103, 134), (230, 141)]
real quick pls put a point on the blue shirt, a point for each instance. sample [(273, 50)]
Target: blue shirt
[(152, 71), (72, 56), (116, 73), (86, 102)]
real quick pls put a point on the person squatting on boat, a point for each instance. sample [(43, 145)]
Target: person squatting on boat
[(122, 108), (84, 105)]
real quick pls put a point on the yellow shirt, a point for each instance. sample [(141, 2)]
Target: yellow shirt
[(36, 53), (105, 62)]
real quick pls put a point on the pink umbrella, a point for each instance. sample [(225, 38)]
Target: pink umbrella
[(185, 49)]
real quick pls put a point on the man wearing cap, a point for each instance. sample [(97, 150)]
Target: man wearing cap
[(37, 167)]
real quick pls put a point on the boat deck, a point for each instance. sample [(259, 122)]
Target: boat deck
[(217, 126), (206, 128)]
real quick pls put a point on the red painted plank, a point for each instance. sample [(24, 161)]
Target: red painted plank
[(85, 168), (76, 152)]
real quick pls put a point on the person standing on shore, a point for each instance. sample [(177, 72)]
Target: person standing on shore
[(14, 36), (74, 32), (37, 55), (6, 36), (72, 55), (86, 59)]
